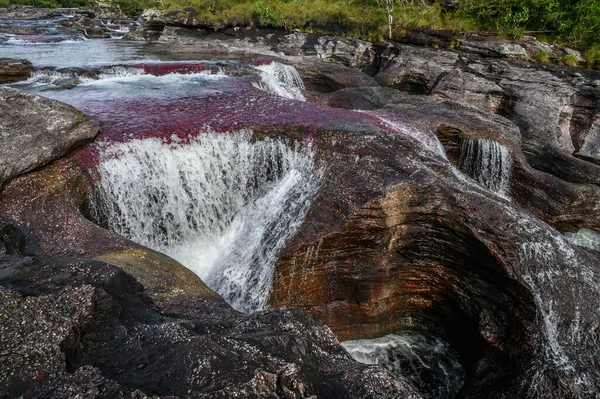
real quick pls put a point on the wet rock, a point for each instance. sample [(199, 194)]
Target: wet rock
[(82, 327), (95, 33), (137, 34), (554, 109), (80, 21), (35, 130), (21, 29), (12, 70), (380, 247), (322, 77)]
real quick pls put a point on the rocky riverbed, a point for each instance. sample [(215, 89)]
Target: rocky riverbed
[(214, 212)]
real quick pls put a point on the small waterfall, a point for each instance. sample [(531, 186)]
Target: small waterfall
[(51, 77), (119, 72), (281, 79), (428, 362), (487, 162), (222, 205)]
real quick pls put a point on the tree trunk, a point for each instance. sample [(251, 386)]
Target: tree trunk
[(390, 20)]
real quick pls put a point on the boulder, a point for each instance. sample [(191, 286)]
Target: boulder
[(72, 327), (35, 130), (12, 70)]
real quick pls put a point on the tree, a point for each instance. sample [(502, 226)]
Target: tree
[(388, 7)]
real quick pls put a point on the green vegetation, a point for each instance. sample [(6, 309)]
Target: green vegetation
[(569, 60), (542, 56)]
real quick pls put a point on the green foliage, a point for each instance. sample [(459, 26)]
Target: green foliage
[(264, 16), (4, 3), (592, 56)]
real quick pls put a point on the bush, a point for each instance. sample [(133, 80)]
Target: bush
[(592, 56), (264, 16)]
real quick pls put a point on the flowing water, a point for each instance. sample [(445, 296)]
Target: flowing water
[(428, 362), (488, 162), (221, 204), (585, 238)]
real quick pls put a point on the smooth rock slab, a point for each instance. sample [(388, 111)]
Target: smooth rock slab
[(35, 130)]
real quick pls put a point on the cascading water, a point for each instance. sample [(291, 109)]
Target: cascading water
[(281, 79), (585, 238), (487, 162), (221, 204), (428, 362)]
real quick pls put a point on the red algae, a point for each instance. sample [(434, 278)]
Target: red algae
[(161, 69), (221, 104)]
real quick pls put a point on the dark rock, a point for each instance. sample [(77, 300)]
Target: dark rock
[(322, 77), (80, 21), (21, 29), (95, 33), (11, 240), (71, 327), (137, 34), (441, 39), (29, 13), (35, 130), (12, 70)]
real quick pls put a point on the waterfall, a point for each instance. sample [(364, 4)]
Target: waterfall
[(222, 204), (427, 362), (487, 162), (280, 79)]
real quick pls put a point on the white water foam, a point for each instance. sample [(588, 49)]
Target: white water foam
[(17, 40), (222, 204), (489, 163), (585, 238), (428, 362), (281, 79)]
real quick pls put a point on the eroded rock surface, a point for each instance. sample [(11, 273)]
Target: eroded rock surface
[(35, 130), (12, 70), (85, 328)]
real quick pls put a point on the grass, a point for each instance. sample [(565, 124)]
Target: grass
[(543, 56), (360, 19), (569, 60)]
